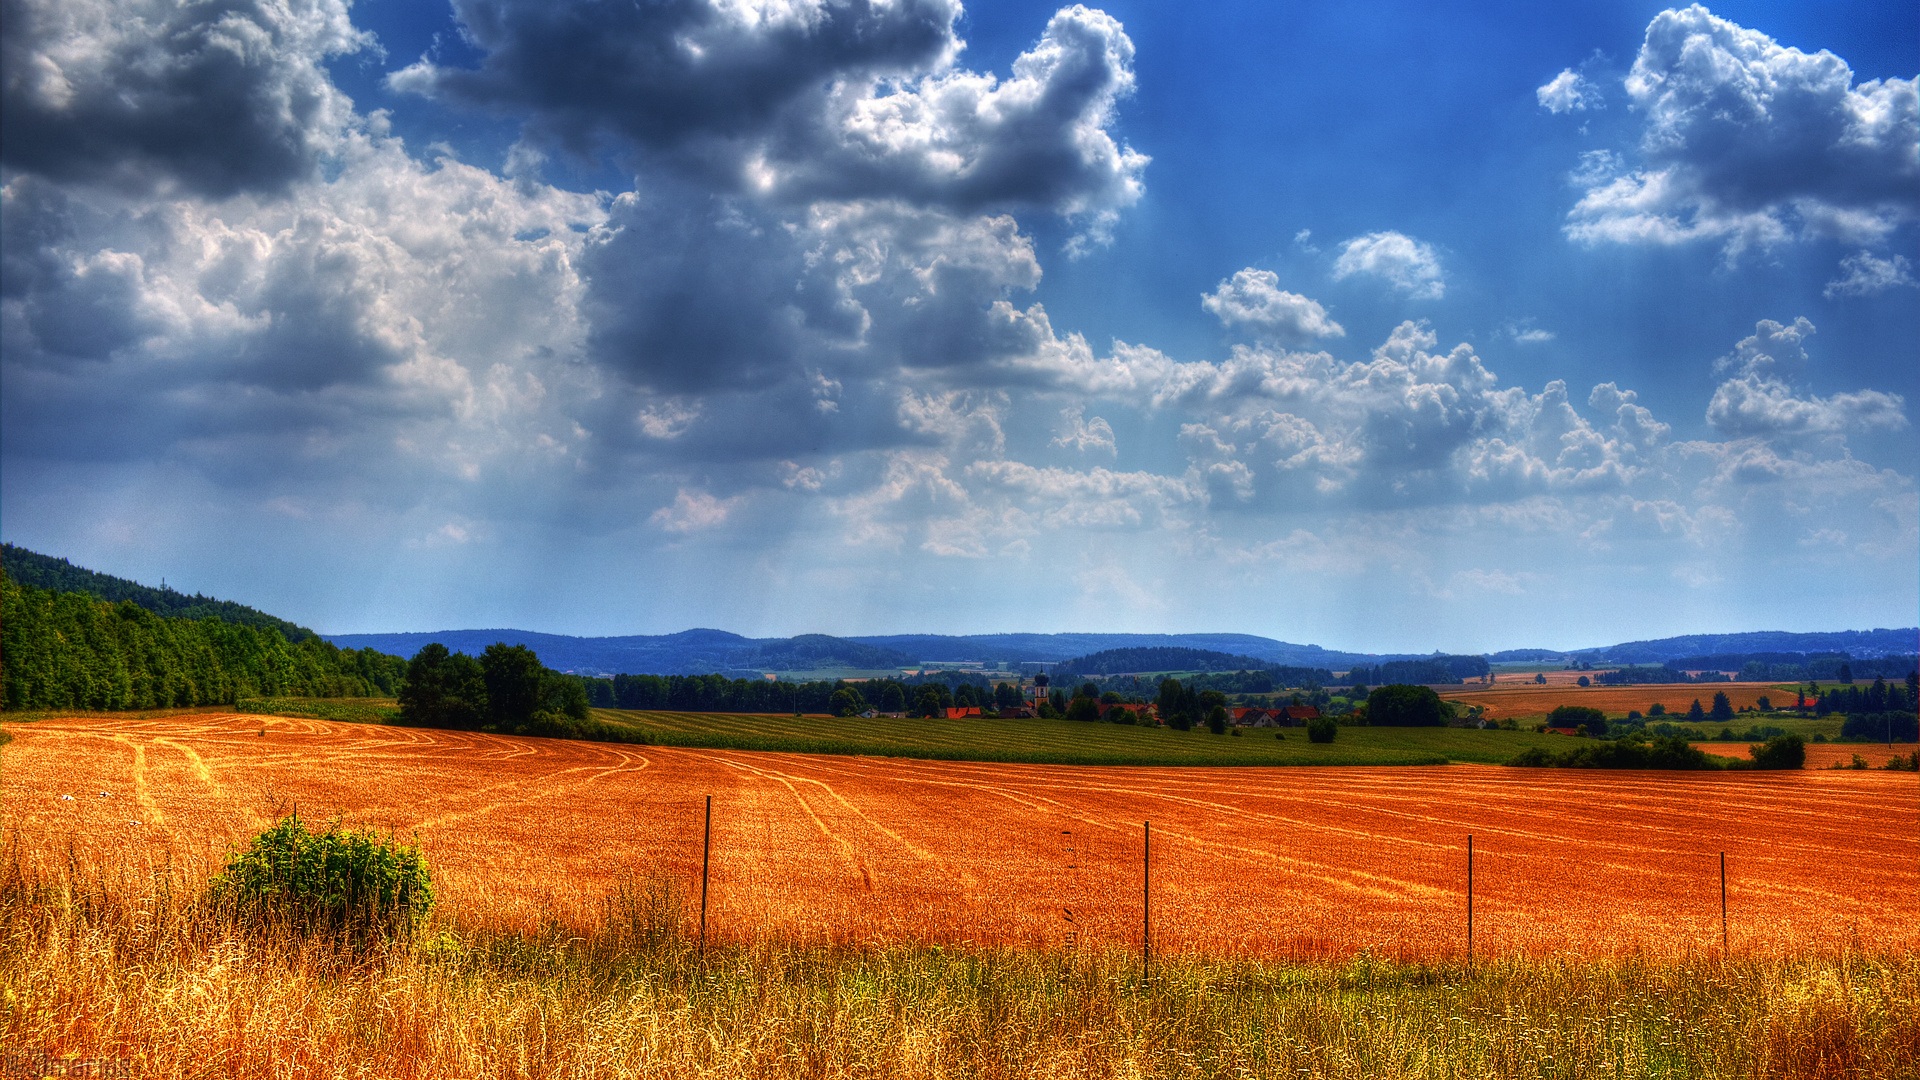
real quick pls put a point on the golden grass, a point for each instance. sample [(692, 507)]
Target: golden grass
[(113, 963)]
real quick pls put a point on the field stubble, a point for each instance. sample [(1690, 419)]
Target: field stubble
[(1298, 863)]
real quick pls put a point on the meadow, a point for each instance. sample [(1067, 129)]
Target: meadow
[(127, 974)]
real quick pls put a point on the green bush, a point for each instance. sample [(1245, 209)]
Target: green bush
[(1322, 730), (1663, 752), (1779, 752), (344, 883)]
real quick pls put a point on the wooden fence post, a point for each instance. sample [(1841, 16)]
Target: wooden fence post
[(1469, 898), (706, 854), (1146, 904), (1723, 903)]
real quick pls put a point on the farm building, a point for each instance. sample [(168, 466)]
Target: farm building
[(1278, 716)]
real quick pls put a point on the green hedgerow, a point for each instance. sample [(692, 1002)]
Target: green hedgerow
[(347, 883)]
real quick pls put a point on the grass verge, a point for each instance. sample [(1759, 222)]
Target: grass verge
[(1063, 742), (134, 968)]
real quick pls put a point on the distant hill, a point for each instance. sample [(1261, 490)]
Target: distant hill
[(1851, 642), (690, 652), (1057, 647), (59, 575), (699, 652)]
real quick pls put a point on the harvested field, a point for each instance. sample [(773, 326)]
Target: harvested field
[(1820, 755), (1278, 862), (1504, 703)]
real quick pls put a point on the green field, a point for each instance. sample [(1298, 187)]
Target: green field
[(346, 710), (1061, 742)]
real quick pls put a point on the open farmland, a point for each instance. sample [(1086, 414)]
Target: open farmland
[(1820, 755), (1300, 862), (1504, 703)]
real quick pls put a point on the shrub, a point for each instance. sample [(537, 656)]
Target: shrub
[(1322, 730), (344, 883), (1664, 752), (1779, 752)]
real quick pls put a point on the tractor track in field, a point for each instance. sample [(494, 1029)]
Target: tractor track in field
[(845, 848)]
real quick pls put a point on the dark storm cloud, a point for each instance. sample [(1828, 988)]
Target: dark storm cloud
[(794, 103), (659, 73), (217, 97)]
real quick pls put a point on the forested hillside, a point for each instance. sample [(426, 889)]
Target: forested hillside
[(59, 575), (72, 650)]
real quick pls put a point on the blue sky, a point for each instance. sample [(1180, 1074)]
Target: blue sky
[(1369, 325)]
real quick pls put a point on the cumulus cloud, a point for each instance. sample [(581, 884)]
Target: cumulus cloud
[(216, 98), (1754, 144), (1569, 91), (1402, 261), (1869, 275), (1760, 401), (1086, 436), (1254, 299), (428, 303)]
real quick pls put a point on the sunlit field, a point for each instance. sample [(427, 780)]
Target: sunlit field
[(897, 917), (1297, 862)]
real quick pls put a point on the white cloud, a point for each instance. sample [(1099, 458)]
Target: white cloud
[(1760, 402), (1254, 299), (1754, 144), (693, 511), (1569, 91), (1086, 436), (1406, 263), (1867, 275)]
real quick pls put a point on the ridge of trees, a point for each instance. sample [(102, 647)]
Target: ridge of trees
[(1430, 670), (73, 650), (59, 575), (1159, 658)]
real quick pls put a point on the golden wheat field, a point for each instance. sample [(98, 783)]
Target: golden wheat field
[(1505, 702), (1298, 862), (1820, 755)]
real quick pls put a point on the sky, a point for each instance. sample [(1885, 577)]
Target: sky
[(1380, 326)]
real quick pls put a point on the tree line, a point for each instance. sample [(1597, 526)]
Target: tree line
[(71, 650)]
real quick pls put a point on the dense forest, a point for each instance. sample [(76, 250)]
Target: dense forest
[(72, 650), (1427, 671), (1157, 658)]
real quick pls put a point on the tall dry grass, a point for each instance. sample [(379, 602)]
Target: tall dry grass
[(109, 963)]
